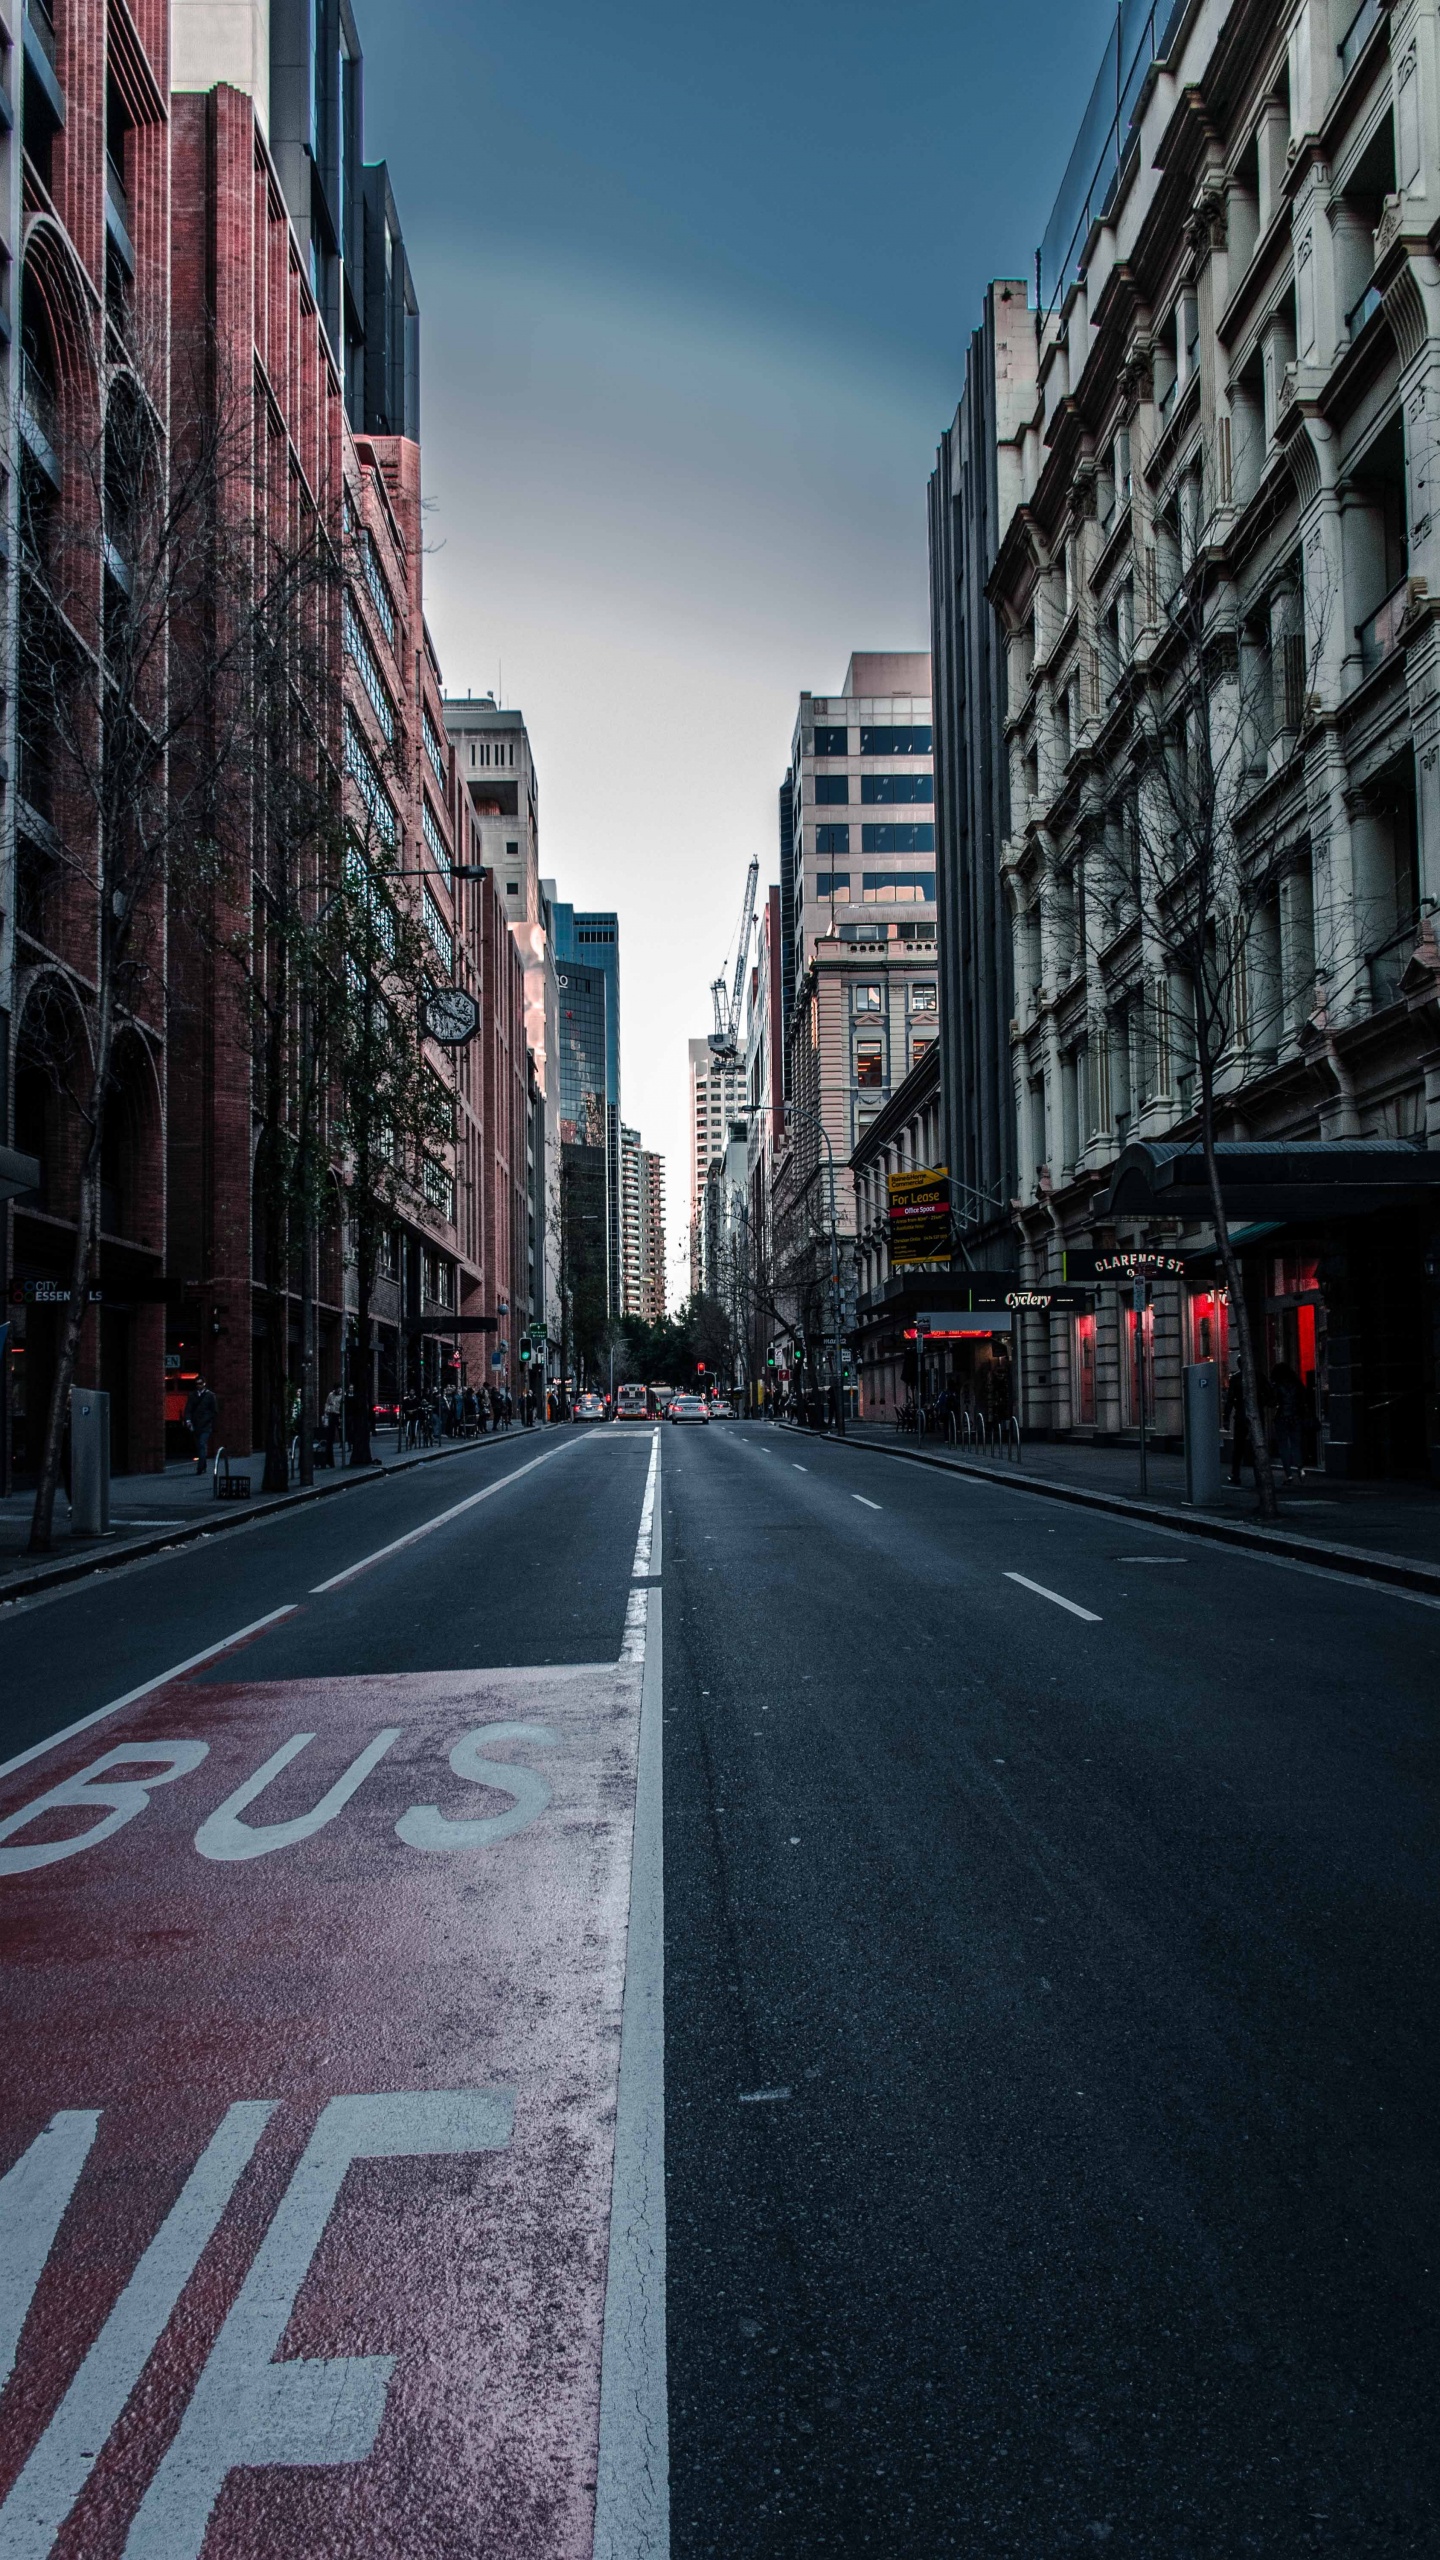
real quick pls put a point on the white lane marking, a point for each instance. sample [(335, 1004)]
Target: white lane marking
[(763, 2097), (88, 1791), (412, 1536), (1152, 1559), (632, 1648), (870, 1506), (632, 2489), (33, 2198), (249, 2409), (799, 1470), (1091, 1616), (641, 1568), (68, 2451), (132, 1697), (224, 1837)]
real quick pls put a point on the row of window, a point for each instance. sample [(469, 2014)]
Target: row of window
[(868, 997), (879, 888), (870, 1059), (919, 837), (486, 753), (876, 742), (832, 790)]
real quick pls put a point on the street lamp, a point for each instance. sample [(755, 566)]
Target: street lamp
[(811, 1111)]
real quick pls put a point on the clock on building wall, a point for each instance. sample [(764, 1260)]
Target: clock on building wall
[(451, 1016)]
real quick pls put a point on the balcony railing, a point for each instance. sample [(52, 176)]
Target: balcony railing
[(1362, 311), (1379, 637), (44, 26), (1357, 35)]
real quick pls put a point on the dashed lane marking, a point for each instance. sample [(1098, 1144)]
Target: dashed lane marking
[(870, 1506), (1091, 1616)]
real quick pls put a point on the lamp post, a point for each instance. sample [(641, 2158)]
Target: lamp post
[(811, 1111)]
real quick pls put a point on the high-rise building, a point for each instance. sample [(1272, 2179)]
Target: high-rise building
[(973, 492), (589, 944), (642, 1229), (495, 772), (858, 876), (717, 1099)]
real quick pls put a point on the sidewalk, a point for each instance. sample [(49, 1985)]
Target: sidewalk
[(1396, 1524), (151, 1512)]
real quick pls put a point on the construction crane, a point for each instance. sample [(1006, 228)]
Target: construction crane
[(725, 1038)]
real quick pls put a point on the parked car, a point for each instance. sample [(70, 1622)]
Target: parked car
[(689, 1409), (588, 1409)]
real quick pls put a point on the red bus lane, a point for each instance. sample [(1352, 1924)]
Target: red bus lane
[(313, 2021)]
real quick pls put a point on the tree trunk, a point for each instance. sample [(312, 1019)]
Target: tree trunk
[(361, 1454), (1240, 1318), (42, 1519)]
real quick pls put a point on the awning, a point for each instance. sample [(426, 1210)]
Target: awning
[(1273, 1180), (17, 1173)]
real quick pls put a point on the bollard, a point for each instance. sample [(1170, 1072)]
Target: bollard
[(1202, 1432), (89, 1463)]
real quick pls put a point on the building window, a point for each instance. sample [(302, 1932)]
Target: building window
[(832, 839), (360, 766), (832, 884), (439, 850), (832, 790), (917, 838), (869, 1065), (440, 1189), (867, 998), (438, 930), (921, 1043), (832, 742), (884, 789), (512, 888), (897, 742), (433, 749), (924, 999), (896, 888), (375, 581), (366, 666)]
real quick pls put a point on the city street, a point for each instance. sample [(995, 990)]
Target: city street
[(1047, 2082)]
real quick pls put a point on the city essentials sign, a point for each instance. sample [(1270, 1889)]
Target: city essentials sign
[(919, 1216)]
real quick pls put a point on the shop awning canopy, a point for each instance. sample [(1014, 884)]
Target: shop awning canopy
[(17, 1173), (1276, 1179)]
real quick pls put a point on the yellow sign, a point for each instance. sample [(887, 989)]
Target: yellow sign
[(919, 1216)]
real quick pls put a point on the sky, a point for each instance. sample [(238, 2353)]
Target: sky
[(695, 289)]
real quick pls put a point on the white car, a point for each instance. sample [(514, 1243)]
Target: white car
[(689, 1409), (720, 1411), (589, 1409)]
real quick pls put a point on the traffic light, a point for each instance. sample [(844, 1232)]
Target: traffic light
[(699, 1368), (769, 1359)]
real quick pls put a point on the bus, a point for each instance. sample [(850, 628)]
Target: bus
[(632, 1404)]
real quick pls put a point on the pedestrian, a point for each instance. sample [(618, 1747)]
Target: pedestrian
[(1289, 1389), (330, 1413), (201, 1414), (1241, 1449)]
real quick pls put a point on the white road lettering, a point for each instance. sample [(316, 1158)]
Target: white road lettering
[(125, 1797), (426, 1827), (247, 2409), (33, 2198), (68, 2451), (225, 1837), (1091, 1616)]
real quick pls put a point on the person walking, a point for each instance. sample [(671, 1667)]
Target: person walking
[(201, 1415), (330, 1424)]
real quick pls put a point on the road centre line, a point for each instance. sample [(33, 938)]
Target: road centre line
[(799, 1470), (870, 1506), (412, 1536), (132, 1697), (1091, 1616)]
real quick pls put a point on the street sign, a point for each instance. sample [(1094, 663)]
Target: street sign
[(919, 1216)]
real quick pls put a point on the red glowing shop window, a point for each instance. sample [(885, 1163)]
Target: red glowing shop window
[(1084, 1368), (1210, 1326)]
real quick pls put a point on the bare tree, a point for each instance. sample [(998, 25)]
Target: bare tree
[(1193, 856), (132, 527)]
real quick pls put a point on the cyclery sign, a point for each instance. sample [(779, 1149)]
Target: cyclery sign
[(919, 1216)]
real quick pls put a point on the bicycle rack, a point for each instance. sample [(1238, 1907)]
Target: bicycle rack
[(229, 1487)]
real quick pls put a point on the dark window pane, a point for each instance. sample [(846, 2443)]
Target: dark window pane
[(896, 742), (897, 888), (832, 742), (832, 789), (883, 787), (919, 838), (832, 884), (832, 839)]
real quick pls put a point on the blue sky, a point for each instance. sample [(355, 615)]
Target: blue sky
[(695, 290)]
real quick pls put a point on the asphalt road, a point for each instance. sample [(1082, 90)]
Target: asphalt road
[(1048, 2079)]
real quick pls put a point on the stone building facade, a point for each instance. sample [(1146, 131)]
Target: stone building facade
[(1232, 454)]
